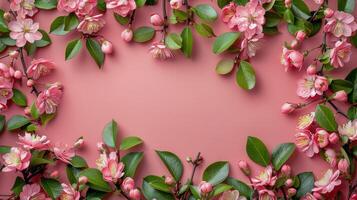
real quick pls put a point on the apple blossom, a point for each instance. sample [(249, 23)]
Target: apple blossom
[(16, 160), (328, 182), (24, 30), (39, 68)]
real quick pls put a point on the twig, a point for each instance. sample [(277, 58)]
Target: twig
[(164, 13), (337, 109), (23, 62), (124, 195)]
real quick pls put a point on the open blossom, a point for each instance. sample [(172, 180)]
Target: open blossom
[(16, 159), (349, 129), (305, 121), (32, 192), (63, 152), (328, 182), (32, 141), (111, 168), (267, 195), (159, 50), (121, 7), (40, 67), (86, 7), (23, 7), (311, 86), (5, 94), (292, 59), (250, 46), (228, 12), (24, 30), (341, 53), (341, 24), (330, 157), (232, 195), (67, 5), (91, 24), (306, 142), (69, 193), (265, 178), (48, 100)]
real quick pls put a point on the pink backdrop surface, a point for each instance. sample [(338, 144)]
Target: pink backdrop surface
[(180, 105)]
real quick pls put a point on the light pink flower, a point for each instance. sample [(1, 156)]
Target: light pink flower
[(48, 100), (32, 192), (228, 12), (160, 51), (6, 76), (128, 184), (121, 7), (90, 25), (111, 168), (349, 129), (23, 7), (328, 182), (311, 86), (232, 195), (305, 121), (205, 187), (86, 7), (5, 94), (306, 142), (343, 165), (16, 159), (32, 141), (250, 46), (67, 5), (63, 152), (40, 67), (24, 30), (69, 193), (292, 59), (322, 137), (341, 24), (330, 157), (265, 178), (267, 195), (176, 4), (341, 53)]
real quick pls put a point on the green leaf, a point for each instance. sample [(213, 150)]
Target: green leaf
[(222, 3), (353, 40), (3, 25), (339, 84), (205, 12), (30, 49), (95, 51), (46, 4), (31, 128), (151, 193), (173, 41), (245, 76), (325, 118), (101, 5), (352, 113), (143, 34), (70, 22), (289, 16), (346, 5), (131, 162), (19, 98), (180, 15), (18, 185), (352, 77), (220, 188), (140, 3), (269, 6), (121, 20), (45, 118), (204, 30), (172, 162), (73, 48), (57, 26), (306, 183), (8, 41), (17, 121), (40, 161), (160, 185), (52, 187), (271, 19), (4, 149), (187, 41), (45, 40), (224, 41), (72, 174), (243, 188), (2, 47), (95, 180), (130, 142), (78, 162), (216, 172), (225, 66), (257, 151), (110, 134), (34, 111), (2, 122), (281, 154), (195, 192), (300, 9)]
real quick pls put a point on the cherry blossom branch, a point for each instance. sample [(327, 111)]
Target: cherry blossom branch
[(24, 67), (337, 109), (165, 25), (195, 164), (132, 17)]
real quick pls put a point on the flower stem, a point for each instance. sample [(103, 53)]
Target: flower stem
[(188, 10), (165, 26), (132, 17), (337, 109), (195, 164), (23, 62), (124, 195)]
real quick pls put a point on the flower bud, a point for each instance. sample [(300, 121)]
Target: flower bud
[(54, 174), (289, 183), (330, 157), (156, 20), (287, 108), (318, 196), (333, 138), (30, 83), (322, 137), (311, 69), (128, 184), (286, 170), (340, 96), (300, 36), (328, 12), (82, 180), (294, 44), (8, 17), (244, 167), (169, 180), (321, 83), (134, 194), (205, 187), (288, 3), (79, 143), (127, 35), (176, 4), (13, 54), (18, 74), (291, 192), (343, 165), (27, 111), (107, 47), (188, 159), (353, 197)]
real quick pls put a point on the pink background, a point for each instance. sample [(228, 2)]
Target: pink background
[(180, 105)]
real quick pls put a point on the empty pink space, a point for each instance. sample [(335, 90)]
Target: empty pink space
[(180, 105)]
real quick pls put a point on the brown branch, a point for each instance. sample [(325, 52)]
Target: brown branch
[(24, 67)]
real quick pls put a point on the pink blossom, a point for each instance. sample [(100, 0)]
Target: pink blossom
[(128, 184), (286, 170), (24, 30), (250, 46), (160, 51), (32, 192), (349, 130), (321, 84), (127, 35), (311, 86), (244, 167), (341, 24), (341, 53), (319, 2), (333, 138), (330, 157), (156, 20), (228, 12), (5, 94), (300, 36), (40, 67), (23, 7), (63, 152), (328, 182), (311, 69), (292, 59), (91, 24), (306, 142), (32, 141), (121, 7), (111, 168), (107, 47), (67, 5), (232, 195), (6, 76), (287, 108), (134, 194), (322, 137), (205, 187), (343, 165), (86, 7), (69, 193), (48, 100), (176, 4), (328, 12), (340, 96), (267, 195), (305, 121), (265, 178), (16, 159)]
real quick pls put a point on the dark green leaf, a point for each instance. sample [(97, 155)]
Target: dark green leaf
[(78, 162), (289, 16), (325, 118), (72, 174), (245, 76), (130, 142), (222, 3), (204, 30), (4, 149), (352, 113), (17, 121), (257, 151), (216, 172), (45, 118), (73, 48), (151, 193), (45, 40), (101, 5), (243, 188), (224, 41), (187, 41), (300, 9), (95, 51), (30, 49), (131, 162), (352, 77), (34, 111), (220, 188), (140, 3), (95, 180), (172, 162), (18, 185), (160, 185), (306, 184), (19, 98), (173, 41), (57, 26), (52, 187), (271, 19), (70, 22), (281, 154), (225, 66), (46, 4), (205, 12), (3, 25), (121, 20), (110, 134), (339, 84), (143, 34), (346, 5)]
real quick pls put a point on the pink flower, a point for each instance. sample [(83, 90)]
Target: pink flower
[(24, 30), (205, 187), (311, 69), (67, 5), (40, 67), (288, 108), (305, 121), (6, 76), (86, 7), (159, 50), (176, 4), (340, 96), (32, 141), (48, 100), (306, 142), (23, 7), (343, 165), (286, 170), (330, 157), (111, 168), (250, 46), (232, 195), (311, 86), (292, 58), (341, 24), (127, 35), (5, 94), (244, 167), (107, 47), (32, 192), (69, 193), (333, 138), (121, 7), (63, 152), (16, 159), (228, 12), (340, 54), (321, 84), (328, 182), (128, 184), (90, 25), (349, 130), (135, 194), (308, 196), (265, 178), (266, 195), (156, 20), (322, 137), (300, 36)]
